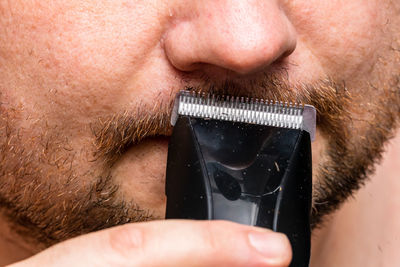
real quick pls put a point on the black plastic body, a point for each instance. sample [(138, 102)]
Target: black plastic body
[(250, 174)]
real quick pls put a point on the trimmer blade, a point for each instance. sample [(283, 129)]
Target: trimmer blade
[(247, 110)]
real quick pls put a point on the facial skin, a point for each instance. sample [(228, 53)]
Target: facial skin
[(87, 86)]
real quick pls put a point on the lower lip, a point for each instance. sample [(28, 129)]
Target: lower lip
[(140, 174)]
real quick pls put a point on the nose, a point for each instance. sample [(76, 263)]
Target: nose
[(236, 35)]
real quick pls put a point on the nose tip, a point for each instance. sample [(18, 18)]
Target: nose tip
[(243, 39), (248, 50)]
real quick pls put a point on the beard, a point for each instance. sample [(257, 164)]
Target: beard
[(47, 196)]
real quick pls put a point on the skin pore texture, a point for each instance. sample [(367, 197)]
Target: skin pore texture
[(86, 90)]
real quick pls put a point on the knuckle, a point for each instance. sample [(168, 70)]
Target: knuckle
[(126, 240), (220, 226), (211, 232)]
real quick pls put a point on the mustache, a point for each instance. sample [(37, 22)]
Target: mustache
[(115, 134)]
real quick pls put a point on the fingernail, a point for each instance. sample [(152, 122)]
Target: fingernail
[(273, 246)]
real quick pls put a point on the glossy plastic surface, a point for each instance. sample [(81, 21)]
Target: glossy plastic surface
[(246, 173)]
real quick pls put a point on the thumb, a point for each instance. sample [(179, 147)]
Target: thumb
[(170, 243)]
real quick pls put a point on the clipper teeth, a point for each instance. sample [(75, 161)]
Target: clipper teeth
[(255, 111), (242, 109)]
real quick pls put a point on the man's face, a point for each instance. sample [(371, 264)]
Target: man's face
[(87, 87)]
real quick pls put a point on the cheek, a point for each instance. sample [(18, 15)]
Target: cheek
[(78, 56), (342, 35)]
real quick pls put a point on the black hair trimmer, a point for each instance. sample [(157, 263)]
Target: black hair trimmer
[(243, 160)]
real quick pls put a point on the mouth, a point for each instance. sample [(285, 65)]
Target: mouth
[(160, 139)]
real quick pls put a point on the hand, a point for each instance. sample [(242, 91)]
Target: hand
[(170, 243)]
